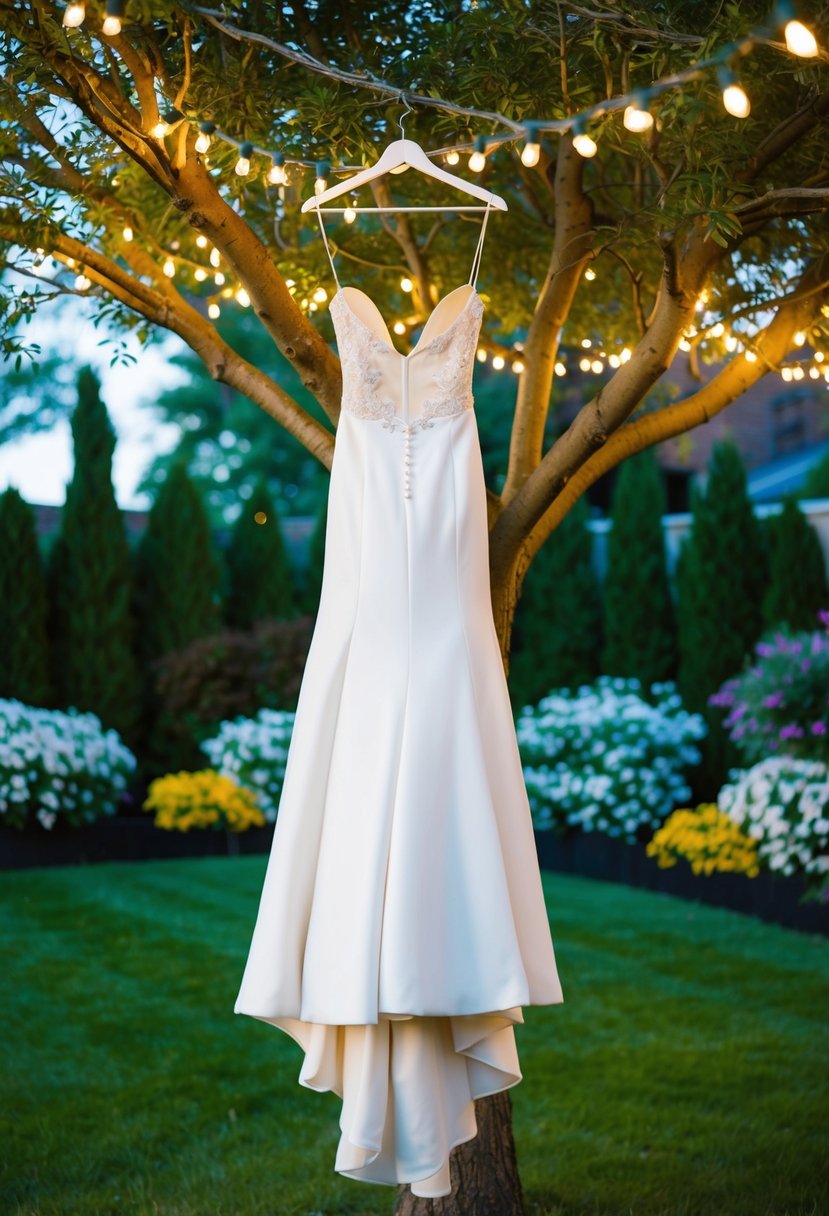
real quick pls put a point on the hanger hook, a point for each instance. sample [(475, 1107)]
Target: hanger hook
[(408, 110)]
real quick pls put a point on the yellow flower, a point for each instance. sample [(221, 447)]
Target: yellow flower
[(707, 839), (182, 801)]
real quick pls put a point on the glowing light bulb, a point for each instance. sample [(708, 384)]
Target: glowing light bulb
[(684, 344), (277, 176), (477, 161), (219, 278), (206, 129), (481, 355), (717, 330), (798, 372), (819, 356), (590, 274), (349, 215), (625, 355), (399, 327), (735, 99), (320, 295), (531, 152), (799, 338), (201, 241), (596, 366), (614, 361), (169, 268), (243, 163), (160, 129), (586, 343), (517, 366), (200, 275), (213, 311), (128, 233), (111, 27), (786, 373), (406, 284), (814, 372), (82, 283), (800, 40), (585, 146), (320, 185), (751, 357), (498, 362), (243, 298), (73, 16), (731, 343), (260, 518), (584, 364), (637, 118), (215, 257), (452, 157), (560, 369)]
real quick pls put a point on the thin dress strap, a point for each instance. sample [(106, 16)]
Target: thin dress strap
[(327, 246), (476, 261)]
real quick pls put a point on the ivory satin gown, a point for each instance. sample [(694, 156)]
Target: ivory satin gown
[(402, 925)]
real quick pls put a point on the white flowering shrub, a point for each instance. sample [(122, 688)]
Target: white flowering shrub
[(254, 751), (603, 758), (58, 766), (783, 802)]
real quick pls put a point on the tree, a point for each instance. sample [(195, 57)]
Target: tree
[(709, 231), (798, 585), (558, 618), (260, 576), (721, 578), (90, 578), (24, 644), (639, 625), (816, 483)]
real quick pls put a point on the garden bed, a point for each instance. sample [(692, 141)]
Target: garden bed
[(771, 897)]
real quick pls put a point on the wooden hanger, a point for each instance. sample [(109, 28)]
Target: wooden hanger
[(400, 155)]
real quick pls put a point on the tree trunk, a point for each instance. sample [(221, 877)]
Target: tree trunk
[(484, 1171), (485, 1178)]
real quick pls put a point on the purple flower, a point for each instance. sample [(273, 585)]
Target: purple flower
[(818, 728), (792, 731), (773, 700), (764, 650), (823, 617)]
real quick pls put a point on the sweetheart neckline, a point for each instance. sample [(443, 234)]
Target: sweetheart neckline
[(420, 344)]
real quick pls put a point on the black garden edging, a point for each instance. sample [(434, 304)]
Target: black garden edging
[(770, 897)]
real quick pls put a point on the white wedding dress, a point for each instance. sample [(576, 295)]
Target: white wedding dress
[(402, 924)]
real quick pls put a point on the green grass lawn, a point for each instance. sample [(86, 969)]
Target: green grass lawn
[(684, 1075)]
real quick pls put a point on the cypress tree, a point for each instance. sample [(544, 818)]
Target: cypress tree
[(177, 570), (260, 577), (639, 623), (557, 627), (24, 648), (798, 585), (721, 578), (90, 578)]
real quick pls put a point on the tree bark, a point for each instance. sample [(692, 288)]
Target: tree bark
[(485, 1178)]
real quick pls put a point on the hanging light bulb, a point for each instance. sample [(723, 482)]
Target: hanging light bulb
[(814, 372), (452, 157), (751, 357), (481, 355), (583, 144), (517, 366), (320, 295), (128, 233), (590, 274), (734, 97), (82, 283), (800, 338), (531, 152), (560, 369), (213, 311), (625, 355), (799, 38), (219, 278), (731, 343), (819, 356), (160, 129), (243, 163), (112, 20), (243, 298), (406, 284), (349, 215), (477, 160), (323, 169), (73, 16), (399, 327), (584, 364), (798, 372), (201, 241), (199, 275), (206, 129), (684, 344), (586, 343), (786, 373), (215, 257), (498, 362), (596, 367), (169, 268), (276, 174), (614, 360), (637, 116)]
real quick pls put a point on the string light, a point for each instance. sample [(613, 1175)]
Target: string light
[(625, 355), (321, 184), (517, 367), (798, 372), (349, 215), (213, 311), (582, 142), (452, 157), (531, 152), (637, 116), (112, 21), (243, 298), (128, 233), (477, 160), (200, 275), (786, 373), (498, 362), (734, 97), (799, 338), (814, 372), (169, 268), (584, 364), (684, 344), (731, 343), (799, 38), (818, 356), (243, 163), (215, 257), (560, 369), (165, 124), (320, 295), (481, 355), (206, 129), (590, 274), (406, 284), (82, 283), (597, 366), (751, 357), (614, 361), (201, 241), (276, 174), (219, 278), (73, 16), (586, 343), (399, 327)]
